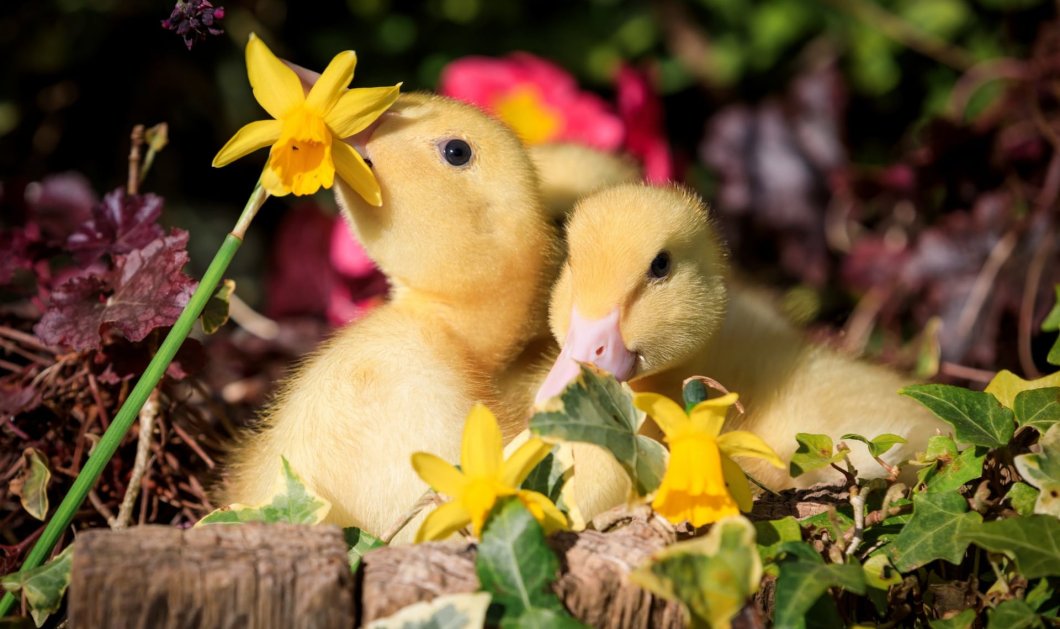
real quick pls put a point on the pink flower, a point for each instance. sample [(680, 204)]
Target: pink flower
[(641, 111), (535, 97)]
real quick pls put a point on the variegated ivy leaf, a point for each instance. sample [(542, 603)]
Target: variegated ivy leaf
[(215, 313), (712, 577), (1043, 471), (451, 611), (1006, 386), (43, 586), (31, 486), (359, 542), (552, 478), (596, 409), (295, 504)]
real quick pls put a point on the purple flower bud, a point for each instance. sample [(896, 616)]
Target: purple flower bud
[(194, 20)]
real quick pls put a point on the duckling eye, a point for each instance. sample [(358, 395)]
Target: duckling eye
[(660, 266), (457, 152)]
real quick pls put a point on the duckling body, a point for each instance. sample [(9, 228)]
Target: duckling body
[(469, 251), (646, 294)]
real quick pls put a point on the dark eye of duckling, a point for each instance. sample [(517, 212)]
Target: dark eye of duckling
[(457, 152), (660, 266)]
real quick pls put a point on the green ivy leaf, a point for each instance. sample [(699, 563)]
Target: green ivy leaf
[(450, 611), (1038, 408), (1032, 541), (770, 534), (1022, 498), (949, 476), (935, 531), (712, 577), (359, 542), (880, 573), (517, 567), (31, 486), (43, 586), (1052, 324), (295, 505), (215, 313), (963, 620), (1042, 598), (804, 580), (1013, 614), (879, 445), (813, 453), (693, 393), (548, 477), (1042, 470), (1006, 386), (976, 416), (594, 408)]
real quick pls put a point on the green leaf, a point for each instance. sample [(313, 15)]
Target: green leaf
[(31, 486), (879, 445), (976, 416), (43, 586), (963, 620), (1006, 386), (295, 505), (770, 534), (1022, 498), (596, 409), (1052, 320), (935, 531), (1013, 614), (548, 477), (215, 314), (712, 577), (1042, 470), (450, 611), (517, 567), (359, 542), (805, 578), (953, 474), (1032, 541), (880, 573), (813, 453), (1042, 598), (1038, 408), (1053, 357), (693, 393)]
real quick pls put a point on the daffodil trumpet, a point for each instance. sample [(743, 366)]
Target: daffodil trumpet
[(484, 477), (702, 483)]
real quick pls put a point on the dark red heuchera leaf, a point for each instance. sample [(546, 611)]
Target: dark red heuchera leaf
[(119, 225), (15, 247), (146, 290)]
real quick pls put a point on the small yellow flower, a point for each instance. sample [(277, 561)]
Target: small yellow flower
[(307, 131), (702, 483), (484, 478)]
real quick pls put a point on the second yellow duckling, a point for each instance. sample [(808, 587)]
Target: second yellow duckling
[(646, 295)]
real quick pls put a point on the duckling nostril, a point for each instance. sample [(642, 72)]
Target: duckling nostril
[(600, 351)]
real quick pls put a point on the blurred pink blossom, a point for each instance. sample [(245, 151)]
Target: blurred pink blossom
[(641, 112), (537, 98)]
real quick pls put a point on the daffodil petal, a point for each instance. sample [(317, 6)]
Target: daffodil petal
[(276, 87), (332, 83), (709, 415), (667, 414), (443, 522), (439, 474), (250, 138), (272, 183), (736, 481), (522, 462), (546, 513), (741, 443), (357, 175), (482, 449), (358, 108)]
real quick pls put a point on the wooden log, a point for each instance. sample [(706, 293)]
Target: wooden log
[(221, 576)]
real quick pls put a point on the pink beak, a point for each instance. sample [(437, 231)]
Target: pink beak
[(589, 341)]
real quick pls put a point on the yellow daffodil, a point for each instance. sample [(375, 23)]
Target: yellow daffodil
[(483, 478), (307, 131), (702, 483)]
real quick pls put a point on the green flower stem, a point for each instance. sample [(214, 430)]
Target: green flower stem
[(112, 438)]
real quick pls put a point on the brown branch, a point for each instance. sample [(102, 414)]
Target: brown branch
[(999, 254), (136, 138), (1027, 303), (148, 415)]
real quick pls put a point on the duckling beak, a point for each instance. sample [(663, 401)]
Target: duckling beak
[(595, 341)]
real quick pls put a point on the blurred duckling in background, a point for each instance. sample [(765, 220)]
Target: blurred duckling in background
[(568, 172), (646, 295), (470, 253)]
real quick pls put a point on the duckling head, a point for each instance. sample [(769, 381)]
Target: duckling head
[(571, 171), (644, 286), (457, 187)]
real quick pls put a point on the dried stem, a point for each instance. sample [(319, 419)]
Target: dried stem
[(963, 371), (148, 415), (427, 499), (251, 320), (857, 502), (983, 283), (132, 186), (1030, 295)]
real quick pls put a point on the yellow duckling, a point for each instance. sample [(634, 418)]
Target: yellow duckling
[(470, 252), (645, 295), (569, 172)]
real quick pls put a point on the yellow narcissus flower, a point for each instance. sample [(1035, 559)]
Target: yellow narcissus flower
[(702, 483), (483, 478), (307, 131)]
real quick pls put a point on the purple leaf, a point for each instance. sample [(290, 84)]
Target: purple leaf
[(61, 204), (15, 247), (74, 314), (119, 225)]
